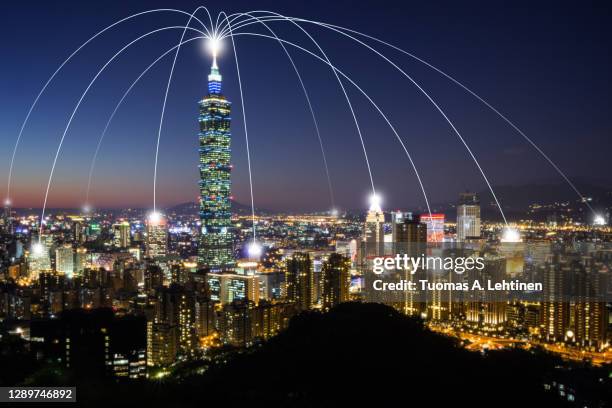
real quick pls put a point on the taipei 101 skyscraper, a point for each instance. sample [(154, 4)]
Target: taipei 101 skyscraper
[(215, 251)]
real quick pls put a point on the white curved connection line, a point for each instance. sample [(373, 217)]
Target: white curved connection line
[(458, 83), (25, 121), (246, 137), (110, 119), (163, 110), (392, 128), (217, 22), (436, 105), (348, 100), (312, 113), (483, 101), (59, 147), (203, 25), (357, 87), (443, 113)]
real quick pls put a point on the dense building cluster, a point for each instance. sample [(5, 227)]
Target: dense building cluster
[(86, 265), (570, 314)]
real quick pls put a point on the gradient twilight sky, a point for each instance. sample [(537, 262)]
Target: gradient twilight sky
[(545, 64)]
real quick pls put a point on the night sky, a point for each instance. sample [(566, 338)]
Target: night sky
[(546, 65)]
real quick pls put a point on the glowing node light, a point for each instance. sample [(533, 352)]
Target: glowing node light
[(375, 202), (37, 249), (599, 220), (86, 208), (154, 217), (7, 202), (511, 235), (334, 212), (214, 45), (255, 250)]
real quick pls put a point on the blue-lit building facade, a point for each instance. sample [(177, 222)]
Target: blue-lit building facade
[(216, 239)]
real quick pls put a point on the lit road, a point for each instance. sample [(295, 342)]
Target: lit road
[(479, 342)]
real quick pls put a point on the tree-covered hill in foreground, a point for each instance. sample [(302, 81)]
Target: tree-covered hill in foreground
[(357, 354)]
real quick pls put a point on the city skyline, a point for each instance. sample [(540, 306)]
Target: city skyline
[(250, 224), (277, 171)]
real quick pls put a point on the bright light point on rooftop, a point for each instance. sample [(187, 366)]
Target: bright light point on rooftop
[(511, 235), (37, 249), (334, 212), (154, 217), (86, 208), (7, 202), (599, 220), (255, 250), (375, 202)]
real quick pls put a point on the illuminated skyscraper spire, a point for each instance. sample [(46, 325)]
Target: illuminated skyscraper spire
[(374, 235), (216, 239), (214, 79)]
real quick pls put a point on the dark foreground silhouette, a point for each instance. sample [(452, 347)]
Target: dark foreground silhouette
[(354, 355)]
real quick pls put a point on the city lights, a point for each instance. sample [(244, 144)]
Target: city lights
[(186, 286)]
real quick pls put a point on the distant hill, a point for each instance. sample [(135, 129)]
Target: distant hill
[(516, 200), (519, 198)]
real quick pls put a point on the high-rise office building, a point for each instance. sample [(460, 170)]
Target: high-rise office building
[(80, 260), (204, 316), (468, 217), (157, 236), (589, 312), (39, 256), (229, 287), (235, 323), (64, 260), (121, 234), (51, 291), (215, 250), (78, 234), (175, 306), (299, 281), (555, 305), (336, 280), (374, 233), (487, 309), (409, 237), (408, 229), (161, 344), (435, 226)]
